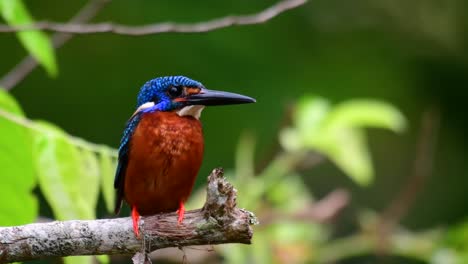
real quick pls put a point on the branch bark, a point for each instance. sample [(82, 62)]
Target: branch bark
[(218, 222), (214, 24)]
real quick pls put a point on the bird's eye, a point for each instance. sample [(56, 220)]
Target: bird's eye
[(175, 91)]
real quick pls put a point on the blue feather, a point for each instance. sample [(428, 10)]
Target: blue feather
[(155, 90), (124, 149)]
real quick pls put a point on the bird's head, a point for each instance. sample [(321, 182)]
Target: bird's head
[(184, 95)]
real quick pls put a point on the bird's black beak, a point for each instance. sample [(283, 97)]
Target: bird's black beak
[(211, 97)]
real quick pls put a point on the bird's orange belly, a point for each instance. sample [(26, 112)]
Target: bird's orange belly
[(165, 156)]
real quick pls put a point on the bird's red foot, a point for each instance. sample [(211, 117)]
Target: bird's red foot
[(135, 220), (180, 213)]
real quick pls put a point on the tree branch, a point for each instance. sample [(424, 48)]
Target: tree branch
[(218, 222), (422, 169), (322, 211), (158, 28)]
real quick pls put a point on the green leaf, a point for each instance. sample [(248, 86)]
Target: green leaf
[(89, 180), (107, 168), (59, 169), (19, 205), (290, 139), (36, 42), (343, 139), (347, 148), (310, 114), (457, 237), (337, 132), (78, 260), (103, 259), (366, 113)]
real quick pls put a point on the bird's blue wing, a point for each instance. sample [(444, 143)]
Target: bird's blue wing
[(124, 149)]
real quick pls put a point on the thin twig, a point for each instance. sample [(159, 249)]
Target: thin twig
[(22, 121), (422, 169), (322, 211), (25, 67), (75, 28)]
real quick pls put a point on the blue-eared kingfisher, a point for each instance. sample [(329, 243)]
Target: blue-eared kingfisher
[(162, 145)]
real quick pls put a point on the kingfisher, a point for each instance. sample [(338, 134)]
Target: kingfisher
[(162, 146)]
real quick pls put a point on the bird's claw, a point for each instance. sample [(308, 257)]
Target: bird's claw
[(135, 220), (180, 213)]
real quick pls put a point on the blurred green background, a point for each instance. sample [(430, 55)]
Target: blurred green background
[(412, 54)]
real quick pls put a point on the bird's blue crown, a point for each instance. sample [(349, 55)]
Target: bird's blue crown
[(156, 90)]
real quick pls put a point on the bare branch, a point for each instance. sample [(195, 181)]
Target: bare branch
[(25, 67), (422, 169), (65, 31), (218, 222), (327, 208), (158, 28), (322, 211)]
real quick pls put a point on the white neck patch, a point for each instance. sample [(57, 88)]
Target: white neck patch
[(143, 106), (191, 110)]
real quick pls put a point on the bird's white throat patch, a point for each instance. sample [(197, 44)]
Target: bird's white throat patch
[(143, 106), (191, 110)]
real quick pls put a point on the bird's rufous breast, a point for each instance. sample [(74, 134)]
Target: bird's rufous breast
[(166, 153)]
